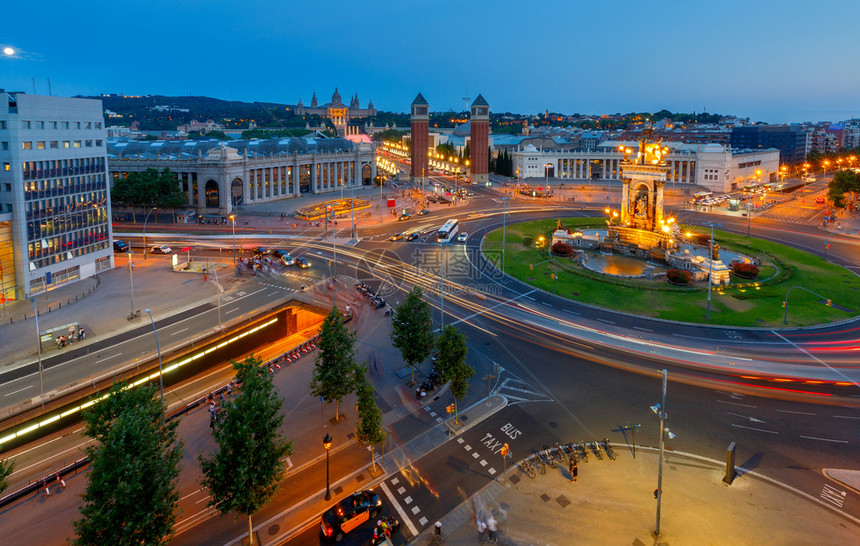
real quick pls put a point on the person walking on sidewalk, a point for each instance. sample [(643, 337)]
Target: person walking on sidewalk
[(574, 470), (492, 529), (482, 530)]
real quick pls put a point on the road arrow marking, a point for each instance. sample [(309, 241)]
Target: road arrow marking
[(751, 419)]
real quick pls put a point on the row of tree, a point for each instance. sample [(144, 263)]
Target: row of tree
[(502, 164), (844, 181), (149, 188)]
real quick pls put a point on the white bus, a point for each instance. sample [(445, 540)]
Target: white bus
[(448, 231), (702, 195)]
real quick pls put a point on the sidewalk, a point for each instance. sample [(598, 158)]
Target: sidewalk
[(613, 503)]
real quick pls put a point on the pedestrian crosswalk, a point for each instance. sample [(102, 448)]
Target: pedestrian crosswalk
[(833, 496)]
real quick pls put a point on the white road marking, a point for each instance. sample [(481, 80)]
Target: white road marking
[(846, 417), (423, 521), (204, 499), (547, 304), (529, 298), (415, 510), (439, 419), (395, 481), (475, 455), (178, 332), (643, 329), (408, 500), (795, 412), (492, 471), (231, 311), (606, 321), (571, 312), (19, 390), (399, 508), (757, 429), (401, 490), (460, 440), (824, 439), (750, 419), (111, 356), (833, 495), (483, 462), (467, 447), (735, 404), (191, 494)]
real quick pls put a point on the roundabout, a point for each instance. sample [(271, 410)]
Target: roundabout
[(616, 282)]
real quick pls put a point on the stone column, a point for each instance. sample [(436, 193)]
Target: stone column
[(625, 196), (295, 177), (658, 211)]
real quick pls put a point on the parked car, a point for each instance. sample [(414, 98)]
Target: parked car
[(412, 236), (349, 514), (462, 237), (396, 237), (260, 251), (819, 200), (120, 246), (161, 250), (303, 263)]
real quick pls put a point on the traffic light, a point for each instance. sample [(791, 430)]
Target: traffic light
[(449, 408), (504, 451)]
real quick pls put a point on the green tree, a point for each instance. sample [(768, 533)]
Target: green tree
[(169, 195), (131, 495), (244, 473), (334, 362), (451, 364), (844, 181), (413, 330), (6, 468), (369, 429)]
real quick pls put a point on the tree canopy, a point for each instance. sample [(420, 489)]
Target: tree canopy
[(369, 428), (149, 188), (334, 361), (451, 363), (844, 181), (244, 473), (6, 468), (413, 329), (131, 495)]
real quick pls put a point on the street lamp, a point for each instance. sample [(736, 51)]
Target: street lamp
[(507, 200), (233, 220), (710, 268), (144, 230), (660, 410), (131, 281), (157, 348), (327, 446), (39, 345)]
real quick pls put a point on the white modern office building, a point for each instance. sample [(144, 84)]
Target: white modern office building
[(54, 195), (715, 166)]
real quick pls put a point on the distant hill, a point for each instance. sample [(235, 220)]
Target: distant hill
[(163, 113)]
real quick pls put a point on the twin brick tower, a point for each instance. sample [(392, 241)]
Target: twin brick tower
[(479, 132)]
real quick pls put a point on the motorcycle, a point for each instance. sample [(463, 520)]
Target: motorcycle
[(379, 536)]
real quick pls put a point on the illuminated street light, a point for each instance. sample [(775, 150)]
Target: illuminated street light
[(8, 51), (327, 446)]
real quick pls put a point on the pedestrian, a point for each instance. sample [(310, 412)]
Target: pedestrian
[(482, 530), (205, 275), (492, 528), (229, 388), (574, 470), (81, 334), (437, 529)]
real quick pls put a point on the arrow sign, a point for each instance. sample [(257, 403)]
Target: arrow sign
[(750, 419)]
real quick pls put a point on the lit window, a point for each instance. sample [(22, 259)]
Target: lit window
[(27, 145), (66, 144), (77, 144), (6, 166), (40, 145)]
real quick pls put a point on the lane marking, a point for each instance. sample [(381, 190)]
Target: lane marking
[(846, 417), (204, 499), (109, 357), (795, 412), (231, 311), (178, 332), (19, 390), (606, 321), (757, 429), (190, 494), (401, 490), (399, 509), (643, 329), (571, 312), (735, 403), (824, 439)]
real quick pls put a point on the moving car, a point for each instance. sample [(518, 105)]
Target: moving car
[(303, 263), (161, 250), (260, 251), (423, 212), (404, 216), (120, 246), (819, 200), (462, 237), (412, 236), (396, 237), (284, 256), (349, 513)]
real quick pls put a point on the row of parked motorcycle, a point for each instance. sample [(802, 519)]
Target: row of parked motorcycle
[(378, 301)]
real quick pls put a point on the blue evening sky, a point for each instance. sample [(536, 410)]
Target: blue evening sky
[(774, 61)]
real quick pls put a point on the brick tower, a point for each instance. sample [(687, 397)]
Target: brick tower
[(480, 133), (420, 137)]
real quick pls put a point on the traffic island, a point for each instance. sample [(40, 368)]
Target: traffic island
[(828, 294)]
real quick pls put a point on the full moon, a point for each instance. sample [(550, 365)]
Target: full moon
[(8, 51)]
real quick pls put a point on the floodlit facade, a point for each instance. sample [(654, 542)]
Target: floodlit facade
[(54, 192)]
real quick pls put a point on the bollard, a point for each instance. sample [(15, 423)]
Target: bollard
[(730, 464)]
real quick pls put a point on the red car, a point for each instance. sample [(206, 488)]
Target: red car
[(819, 200)]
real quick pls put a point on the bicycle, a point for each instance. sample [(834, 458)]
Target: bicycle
[(527, 468), (583, 451), (133, 315), (596, 448), (538, 463), (608, 447), (549, 458)]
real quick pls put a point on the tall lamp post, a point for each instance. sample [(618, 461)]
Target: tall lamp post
[(144, 230), (157, 348), (507, 200), (442, 285), (660, 410), (131, 281), (710, 268), (233, 220), (327, 446), (39, 346)]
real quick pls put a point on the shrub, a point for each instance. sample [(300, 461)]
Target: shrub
[(527, 241), (745, 270), (561, 249), (679, 276)]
